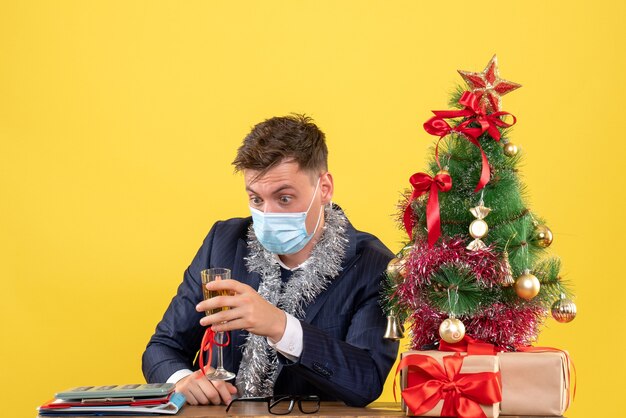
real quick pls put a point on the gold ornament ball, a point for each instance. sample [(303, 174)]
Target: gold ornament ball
[(564, 310), (527, 286), (478, 228), (443, 172), (543, 236), (452, 330), (510, 149), (396, 267)]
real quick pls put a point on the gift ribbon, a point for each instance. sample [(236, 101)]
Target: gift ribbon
[(423, 183), (471, 346), (462, 393), (473, 112), (208, 341)]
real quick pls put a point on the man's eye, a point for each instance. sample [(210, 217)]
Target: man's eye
[(255, 200), (285, 199)]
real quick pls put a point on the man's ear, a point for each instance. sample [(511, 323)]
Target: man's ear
[(327, 187)]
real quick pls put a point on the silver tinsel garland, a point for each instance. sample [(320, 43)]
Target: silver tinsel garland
[(259, 366)]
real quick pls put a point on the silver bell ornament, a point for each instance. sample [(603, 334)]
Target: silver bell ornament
[(394, 329)]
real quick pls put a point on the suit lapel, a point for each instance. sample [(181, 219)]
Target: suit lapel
[(240, 271), (349, 260)]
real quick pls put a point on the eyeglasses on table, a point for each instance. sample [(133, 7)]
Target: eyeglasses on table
[(283, 404)]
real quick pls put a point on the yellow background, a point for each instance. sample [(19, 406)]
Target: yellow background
[(119, 120)]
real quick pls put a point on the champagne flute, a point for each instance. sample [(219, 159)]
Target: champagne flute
[(211, 275)]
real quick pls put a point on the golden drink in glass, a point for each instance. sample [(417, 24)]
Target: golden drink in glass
[(208, 294), (210, 275)]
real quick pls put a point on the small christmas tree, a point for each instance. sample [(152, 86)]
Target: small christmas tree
[(475, 262)]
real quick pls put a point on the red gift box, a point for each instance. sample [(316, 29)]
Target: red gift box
[(436, 383)]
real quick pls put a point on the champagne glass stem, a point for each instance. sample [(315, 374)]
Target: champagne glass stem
[(220, 351)]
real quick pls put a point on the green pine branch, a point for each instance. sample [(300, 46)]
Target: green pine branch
[(454, 290)]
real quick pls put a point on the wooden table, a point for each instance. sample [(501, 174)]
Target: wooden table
[(327, 410), (258, 409)]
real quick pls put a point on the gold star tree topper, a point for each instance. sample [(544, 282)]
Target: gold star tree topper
[(488, 86)]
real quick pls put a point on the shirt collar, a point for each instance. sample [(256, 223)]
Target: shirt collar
[(283, 265)]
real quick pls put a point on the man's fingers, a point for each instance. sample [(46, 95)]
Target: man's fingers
[(230, 325), (216, 318), (223, 391), (198, 393), (230, 284), (191, 400), (216, 302), (228, 315), (228, 320), (210, 390)]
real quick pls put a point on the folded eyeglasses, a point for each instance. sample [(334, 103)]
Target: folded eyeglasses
[(283, 405)]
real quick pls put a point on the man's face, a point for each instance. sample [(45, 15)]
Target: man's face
[(286, 188)]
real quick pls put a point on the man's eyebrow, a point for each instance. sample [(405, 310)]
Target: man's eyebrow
[(278, 190)]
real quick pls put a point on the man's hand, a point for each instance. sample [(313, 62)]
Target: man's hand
[(198, 390), (248, 311)]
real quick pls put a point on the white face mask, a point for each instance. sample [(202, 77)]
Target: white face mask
[(283, 233)]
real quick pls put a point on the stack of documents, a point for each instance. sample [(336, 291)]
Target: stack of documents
[(136, 399)]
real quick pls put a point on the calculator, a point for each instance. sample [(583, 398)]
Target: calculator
[(150, 390)]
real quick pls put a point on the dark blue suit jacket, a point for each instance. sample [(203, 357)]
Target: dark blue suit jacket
[(344, 355)]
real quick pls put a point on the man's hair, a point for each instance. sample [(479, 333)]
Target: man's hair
[(288, 138)]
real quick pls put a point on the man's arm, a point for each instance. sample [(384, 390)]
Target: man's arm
[(177, 338), (173, 347)]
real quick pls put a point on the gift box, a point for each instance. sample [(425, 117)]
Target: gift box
[(436, 383), (534, 383)]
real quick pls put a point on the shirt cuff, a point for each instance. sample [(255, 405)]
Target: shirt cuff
[(291, 344), (179, 375)]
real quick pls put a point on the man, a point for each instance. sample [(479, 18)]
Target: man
[(304, 316)]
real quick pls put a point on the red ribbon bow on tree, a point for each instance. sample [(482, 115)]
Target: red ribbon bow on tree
[(423, 183), (461, 393), (473, 112)]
